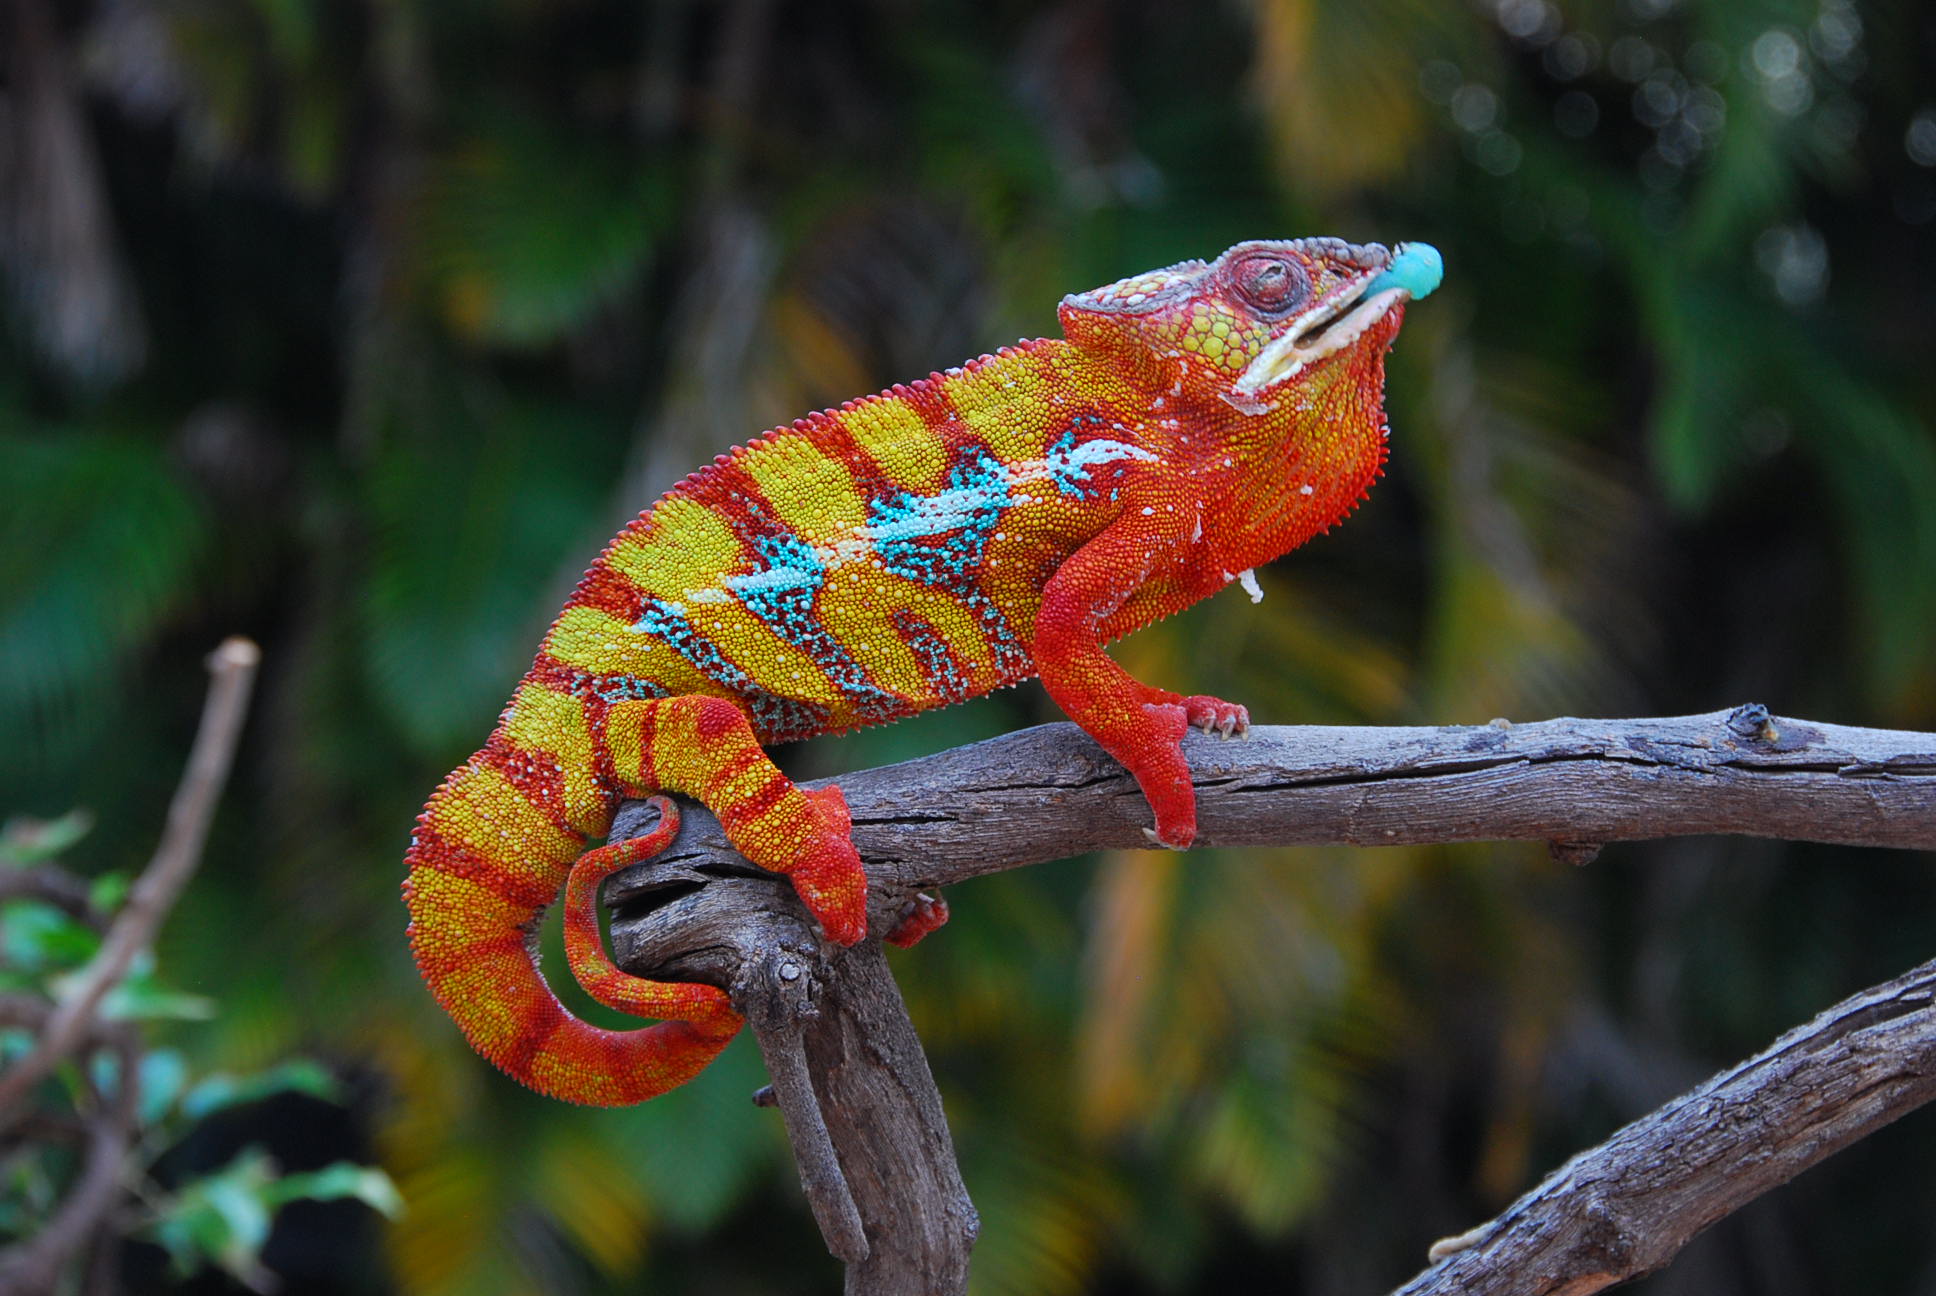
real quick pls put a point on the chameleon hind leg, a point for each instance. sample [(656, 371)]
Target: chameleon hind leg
[(705, 748)]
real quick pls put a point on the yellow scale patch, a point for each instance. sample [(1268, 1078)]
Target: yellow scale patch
[(813, 494), (683, 546), (448, 914), (1217, 334), (900, 442), (855, 606), (544, 720), (777, 666), (622, 740), (483, 812), (598, 642), (1041, 518), (475, 990), (1002, 404)]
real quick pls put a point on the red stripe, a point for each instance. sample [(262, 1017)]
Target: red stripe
[(648, 746), (733, 496), (598, 718), (544, 1017), (609, 591), (931, 404), (536, 775), (750, 809), (830, 435), (719, 719)]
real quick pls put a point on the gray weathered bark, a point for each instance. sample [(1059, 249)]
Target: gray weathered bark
[(859, 1102), (1625, 1208)]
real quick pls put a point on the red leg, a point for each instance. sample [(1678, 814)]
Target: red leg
[(705, 748), (1139, 725)]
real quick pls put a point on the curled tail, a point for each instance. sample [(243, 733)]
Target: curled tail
[(492, 849)]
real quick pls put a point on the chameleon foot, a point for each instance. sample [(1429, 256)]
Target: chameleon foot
[(828, 876), (1214, 715), (923, 914)]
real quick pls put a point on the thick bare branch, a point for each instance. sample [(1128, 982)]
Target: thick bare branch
[(860, 1104), (1049, 792), (698, 912)]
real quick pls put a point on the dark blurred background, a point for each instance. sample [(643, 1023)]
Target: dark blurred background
[(359, 327)]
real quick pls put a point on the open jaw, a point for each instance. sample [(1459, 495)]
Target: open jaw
[(1340, 320)]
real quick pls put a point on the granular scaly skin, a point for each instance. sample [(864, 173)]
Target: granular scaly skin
[(903, 552)]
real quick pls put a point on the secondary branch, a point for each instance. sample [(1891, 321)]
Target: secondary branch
[(1625, 1208)]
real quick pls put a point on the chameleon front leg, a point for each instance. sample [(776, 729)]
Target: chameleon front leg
[(705, 748), (1140, 725)]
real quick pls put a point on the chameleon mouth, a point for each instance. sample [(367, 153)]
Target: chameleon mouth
[(1335, 324)]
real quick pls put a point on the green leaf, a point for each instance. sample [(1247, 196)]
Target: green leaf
[(301, 1075), (140, 997), (25, 841), (336, 1181), (164, 1074), (37, 939), (222, 1218), (107, 892)]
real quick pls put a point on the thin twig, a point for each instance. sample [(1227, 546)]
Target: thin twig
[(232, 666), (30, 1267), (779, 1024)]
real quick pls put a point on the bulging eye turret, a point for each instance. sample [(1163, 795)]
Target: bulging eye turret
[(1270, 285)]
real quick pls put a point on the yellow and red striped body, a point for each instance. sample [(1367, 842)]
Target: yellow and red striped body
[(903, 552)]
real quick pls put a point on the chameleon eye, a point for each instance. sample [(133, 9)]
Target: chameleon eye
[(1271, 284)]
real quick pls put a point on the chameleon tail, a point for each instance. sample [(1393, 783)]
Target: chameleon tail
[(486, 860), (584, 946)]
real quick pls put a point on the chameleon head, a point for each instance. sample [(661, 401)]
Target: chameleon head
[(1262, 313)]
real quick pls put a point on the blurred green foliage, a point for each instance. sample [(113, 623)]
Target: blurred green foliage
[(390, 313), (203, 1217)]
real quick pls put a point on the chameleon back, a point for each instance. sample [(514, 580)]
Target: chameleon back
[(864, 564)]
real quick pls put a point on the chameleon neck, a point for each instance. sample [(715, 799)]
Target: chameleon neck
[(1268, 475)]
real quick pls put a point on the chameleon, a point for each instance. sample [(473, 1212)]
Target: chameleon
[(1005, 519)]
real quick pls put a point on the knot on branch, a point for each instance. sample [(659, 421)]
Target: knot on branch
[(1754, 722)]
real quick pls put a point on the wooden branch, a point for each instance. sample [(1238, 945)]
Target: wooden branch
[(1049, 792), (34, 1264), (850, 1079), (1625, 1208), (699, 912)]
